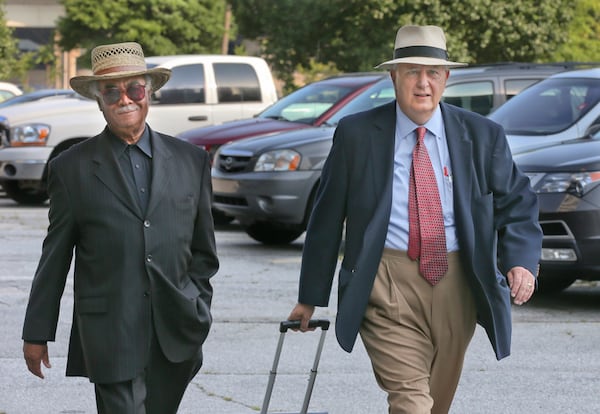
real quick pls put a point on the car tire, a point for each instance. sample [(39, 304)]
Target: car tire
[(554, 282), (270, 234), (22, 193)]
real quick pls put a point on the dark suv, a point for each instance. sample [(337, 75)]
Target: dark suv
[(483, 88)]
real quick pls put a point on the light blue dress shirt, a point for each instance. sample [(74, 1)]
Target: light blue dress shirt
[(435, 141)]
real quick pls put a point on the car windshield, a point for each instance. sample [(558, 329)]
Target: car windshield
[(548, 107), (308, 103), (378, 94)]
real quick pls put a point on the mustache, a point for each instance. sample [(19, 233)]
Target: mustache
[(127, 108)]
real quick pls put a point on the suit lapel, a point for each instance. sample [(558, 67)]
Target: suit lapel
[(382, 141), (109, 172), (161, 155), (381, 150), (460, 150)]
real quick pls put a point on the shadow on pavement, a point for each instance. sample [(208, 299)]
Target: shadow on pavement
[(581, 296)]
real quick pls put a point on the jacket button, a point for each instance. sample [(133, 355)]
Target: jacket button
[(146, 223), (149, 258)]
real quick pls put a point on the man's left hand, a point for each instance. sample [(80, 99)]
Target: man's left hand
[(521, 283)]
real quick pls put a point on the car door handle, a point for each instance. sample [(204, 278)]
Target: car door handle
[(198, 118)]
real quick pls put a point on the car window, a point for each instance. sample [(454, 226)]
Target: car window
[(308, 103), (185, 86), (516, 86), (380, 93), (548, 107), (474, 96), (4, 95), (237, 82)]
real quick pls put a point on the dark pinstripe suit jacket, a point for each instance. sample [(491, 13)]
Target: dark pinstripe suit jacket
[(132, 270), (495, 213)]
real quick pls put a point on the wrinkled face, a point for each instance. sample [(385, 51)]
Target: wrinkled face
[(419, 89), (124, 103)]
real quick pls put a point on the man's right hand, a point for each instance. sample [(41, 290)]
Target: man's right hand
[(34, 355), (302, 313)]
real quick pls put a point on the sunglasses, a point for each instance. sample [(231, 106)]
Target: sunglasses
[(136, 92)]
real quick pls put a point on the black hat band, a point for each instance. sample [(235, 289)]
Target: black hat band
[(421, 51)]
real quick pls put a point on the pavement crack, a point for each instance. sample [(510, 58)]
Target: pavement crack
[(226, 398)]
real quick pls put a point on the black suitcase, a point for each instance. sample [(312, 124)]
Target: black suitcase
[(283, 328)]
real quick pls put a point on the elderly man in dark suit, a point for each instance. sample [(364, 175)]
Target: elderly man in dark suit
[(134, 207), (440, 232)]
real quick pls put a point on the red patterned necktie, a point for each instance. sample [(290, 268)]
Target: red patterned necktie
[(426, 236)]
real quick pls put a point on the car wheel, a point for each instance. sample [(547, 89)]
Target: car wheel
[(25, 192), (268, 233), (553, 282)]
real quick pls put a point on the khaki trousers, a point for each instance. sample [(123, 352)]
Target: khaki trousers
[(416, 335)]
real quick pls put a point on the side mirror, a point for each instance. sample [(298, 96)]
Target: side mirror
[(593, 131)]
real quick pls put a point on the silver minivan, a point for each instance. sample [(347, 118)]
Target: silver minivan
[(562, 107)]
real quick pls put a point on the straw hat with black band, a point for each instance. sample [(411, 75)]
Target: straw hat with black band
[(116, 61), (420, 45)]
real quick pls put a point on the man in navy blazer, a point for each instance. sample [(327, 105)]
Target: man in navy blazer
[(133, 205), (416, 332)]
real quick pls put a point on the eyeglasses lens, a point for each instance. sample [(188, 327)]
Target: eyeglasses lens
[(135, 92)]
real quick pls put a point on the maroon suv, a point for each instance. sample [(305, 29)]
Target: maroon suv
[(310, 106)]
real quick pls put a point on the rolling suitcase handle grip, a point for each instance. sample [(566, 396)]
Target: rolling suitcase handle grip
[(284, 326), (313, 323)]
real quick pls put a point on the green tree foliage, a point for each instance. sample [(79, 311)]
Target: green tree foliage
[(161, 26), (484, 31), (583, 43), (358, 34), (13, 65), (348, 33)]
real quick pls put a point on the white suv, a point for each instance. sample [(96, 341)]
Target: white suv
[(203, 90), (9, 90)]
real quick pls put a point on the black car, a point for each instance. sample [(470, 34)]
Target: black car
[(566, 178)]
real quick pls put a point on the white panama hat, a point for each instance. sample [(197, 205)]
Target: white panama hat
[(420, 45)]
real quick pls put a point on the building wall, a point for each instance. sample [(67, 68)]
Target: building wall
[(33, 13), (34, 22)]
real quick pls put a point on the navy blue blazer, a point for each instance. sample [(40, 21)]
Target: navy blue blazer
[(496, 215)]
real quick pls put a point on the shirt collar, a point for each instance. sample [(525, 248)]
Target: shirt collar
[(119, 146), (405, 127), (144, 143)]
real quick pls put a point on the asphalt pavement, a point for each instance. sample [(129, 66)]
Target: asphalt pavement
[(554, 367)]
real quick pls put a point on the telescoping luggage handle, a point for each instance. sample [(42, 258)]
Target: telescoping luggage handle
[(283, 328)]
